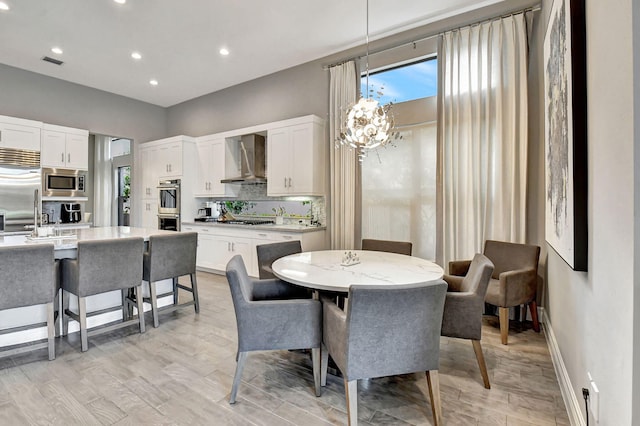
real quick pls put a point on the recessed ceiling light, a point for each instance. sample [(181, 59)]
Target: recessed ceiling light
[(224, 51), (56, 50), (153, 82), (136, 55), (120, 1), (4, 6)]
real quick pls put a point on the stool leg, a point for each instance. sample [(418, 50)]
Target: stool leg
[(51, 333), (65, 317), (175, 290), (194, 289), (82, 313), (154, 303), (140, 306), (125, 303)]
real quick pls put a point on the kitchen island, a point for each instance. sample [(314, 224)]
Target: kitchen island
[(65, 246)]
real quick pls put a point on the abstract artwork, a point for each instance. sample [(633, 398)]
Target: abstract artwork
[(565, 133)]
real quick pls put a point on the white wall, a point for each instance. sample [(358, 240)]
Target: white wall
[(592, 313)]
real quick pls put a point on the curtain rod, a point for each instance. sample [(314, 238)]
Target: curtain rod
[(430, 36)]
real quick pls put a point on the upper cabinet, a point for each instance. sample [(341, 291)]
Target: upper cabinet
[(212, 168), (64, 147), (296, 159), (18, 133)]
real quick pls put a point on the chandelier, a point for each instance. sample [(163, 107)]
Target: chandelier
[(368, 124)]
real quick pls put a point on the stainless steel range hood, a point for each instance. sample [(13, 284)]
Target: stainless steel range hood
[(252, 160)]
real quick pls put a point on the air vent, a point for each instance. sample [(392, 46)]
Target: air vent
[(19, 157), (52, 60)]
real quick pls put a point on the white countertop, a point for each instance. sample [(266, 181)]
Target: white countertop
[(268, 227), (70, 238)]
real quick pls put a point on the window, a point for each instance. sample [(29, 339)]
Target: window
[(402, 83)]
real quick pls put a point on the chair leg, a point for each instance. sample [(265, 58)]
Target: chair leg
[(241, 358), (315, 360), (351, 392), (477, 348), (140, 306), (51, 331), (125, 310), (533, 306), (154, 303), (434, 395), (65, 317), (504, 324), (194, 289), (82, 314), (174, 280), (324, 364)]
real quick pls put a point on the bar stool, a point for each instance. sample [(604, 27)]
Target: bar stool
[(102, 266), (171, 256), (29, 277)]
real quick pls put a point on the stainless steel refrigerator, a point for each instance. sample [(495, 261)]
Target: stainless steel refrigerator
[(20, 182)]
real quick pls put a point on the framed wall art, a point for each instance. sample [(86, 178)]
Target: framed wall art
[(565, 104)]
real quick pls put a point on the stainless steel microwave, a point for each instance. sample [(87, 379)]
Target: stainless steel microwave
[(63, 182)]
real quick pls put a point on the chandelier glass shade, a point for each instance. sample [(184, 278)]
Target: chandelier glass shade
[(367, 124)]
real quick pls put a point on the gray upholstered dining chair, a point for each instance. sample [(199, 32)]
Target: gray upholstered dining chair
[(385, 331), (267, 320), (170, 256), (514, 281), (102, 266), (463, 307), (268, 253), (29, 276), (400, 247)]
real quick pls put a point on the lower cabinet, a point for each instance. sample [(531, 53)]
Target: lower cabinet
[(217, 246)]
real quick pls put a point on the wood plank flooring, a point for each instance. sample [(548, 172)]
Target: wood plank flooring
[(181, 373)]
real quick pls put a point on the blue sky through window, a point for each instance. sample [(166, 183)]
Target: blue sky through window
[(404, 83)]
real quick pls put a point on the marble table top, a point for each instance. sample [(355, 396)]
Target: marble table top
[(322, 270)]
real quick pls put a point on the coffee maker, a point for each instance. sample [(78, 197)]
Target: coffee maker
[(70, 213), (209, 212)]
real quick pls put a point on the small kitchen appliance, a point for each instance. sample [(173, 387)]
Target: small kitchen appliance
[(70, 213)]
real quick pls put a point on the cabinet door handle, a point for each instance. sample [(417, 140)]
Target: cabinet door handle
[(62, 157), (285, 182), (233, 246), (0, 135), (289, 182), (68, 158)]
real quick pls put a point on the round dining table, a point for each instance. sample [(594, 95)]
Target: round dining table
[(332, 270)]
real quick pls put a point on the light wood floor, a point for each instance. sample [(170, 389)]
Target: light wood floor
[(181, 372)]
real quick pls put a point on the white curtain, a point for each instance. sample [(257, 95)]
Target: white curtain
[(483, 135), (399, 190), (345, 171), (103, 182)]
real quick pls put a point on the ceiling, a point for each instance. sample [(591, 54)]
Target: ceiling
[(180, 40)]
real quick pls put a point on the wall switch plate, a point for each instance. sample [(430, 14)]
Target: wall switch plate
[(594, 399)]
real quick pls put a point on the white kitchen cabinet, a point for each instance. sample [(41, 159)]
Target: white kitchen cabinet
[(169, 161), (149, 214), (148, 171), (212, 169), (296, 160), (64, 147), (215, 250), (217, 244), (17, 133)]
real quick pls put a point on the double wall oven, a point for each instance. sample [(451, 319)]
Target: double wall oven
[(169, 205)]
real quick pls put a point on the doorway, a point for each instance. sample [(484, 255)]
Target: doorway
[(121, 160)]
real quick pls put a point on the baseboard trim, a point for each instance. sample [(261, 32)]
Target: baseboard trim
[(573, 406)]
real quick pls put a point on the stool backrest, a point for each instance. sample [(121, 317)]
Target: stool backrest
[(106, 265), (171, 255), (27, 276)]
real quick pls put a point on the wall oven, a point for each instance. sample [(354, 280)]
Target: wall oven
[(169, 222), (63, 182), (169, 197), (169, 205)]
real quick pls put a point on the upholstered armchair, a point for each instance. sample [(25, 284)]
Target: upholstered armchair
[(463, 307), (268, 320), (400, 247), (385, 331), (514, 281), (268, 253)]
